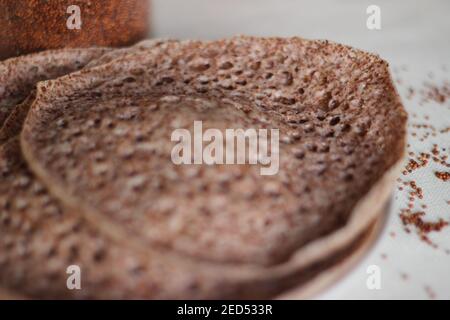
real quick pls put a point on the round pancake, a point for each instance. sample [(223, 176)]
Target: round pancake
[(100, 140), (40, 240)]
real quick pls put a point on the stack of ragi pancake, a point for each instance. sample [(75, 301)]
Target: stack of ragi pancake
[(87, 179)]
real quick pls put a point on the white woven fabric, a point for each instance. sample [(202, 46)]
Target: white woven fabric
[(414, 40)]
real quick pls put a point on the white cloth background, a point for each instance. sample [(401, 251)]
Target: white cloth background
[(415, 40)]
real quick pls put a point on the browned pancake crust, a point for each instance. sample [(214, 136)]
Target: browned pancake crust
[(99, 139)]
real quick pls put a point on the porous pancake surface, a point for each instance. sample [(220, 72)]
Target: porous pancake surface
[(100, 140), (19, 86), (18, 76), (40, 240)]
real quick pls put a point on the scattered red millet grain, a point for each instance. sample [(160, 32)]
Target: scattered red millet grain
[(444, 176), (430, 292), (411, 93), (413, 215), (445, 130), (417, 191), (416, 219), (438, 93), (404, 276), (413, 164), (435, 150)]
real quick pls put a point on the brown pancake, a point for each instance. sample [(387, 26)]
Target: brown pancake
[(13, 122), (99, 140), (18, 76), (40, 239)]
